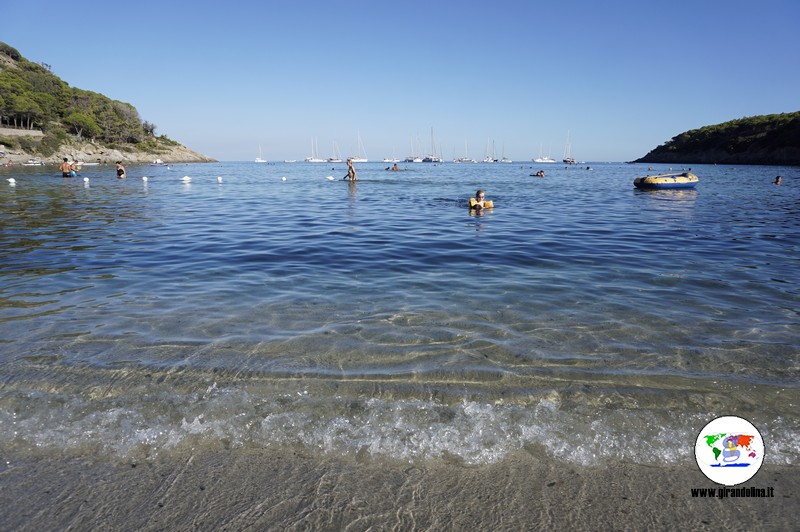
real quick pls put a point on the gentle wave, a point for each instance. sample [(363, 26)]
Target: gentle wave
[(472, 432), (580, 319)]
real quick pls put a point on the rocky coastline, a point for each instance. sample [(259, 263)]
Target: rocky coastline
[(89, 152), (762, 140), (102, 155)]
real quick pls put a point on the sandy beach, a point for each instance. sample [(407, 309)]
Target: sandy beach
[(290, 490)]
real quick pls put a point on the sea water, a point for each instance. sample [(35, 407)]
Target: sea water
[(580, 319)]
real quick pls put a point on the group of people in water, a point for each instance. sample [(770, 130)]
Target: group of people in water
[(70, 169), (478, 203)]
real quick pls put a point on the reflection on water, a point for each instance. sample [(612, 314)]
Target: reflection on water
[(256, 309), (669, 197)]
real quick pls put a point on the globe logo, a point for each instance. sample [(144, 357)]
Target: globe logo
[(729, 450)]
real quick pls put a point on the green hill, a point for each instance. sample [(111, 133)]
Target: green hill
[(42, 116), (765, 139)]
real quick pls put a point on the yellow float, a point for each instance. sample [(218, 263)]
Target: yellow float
[(681, 180), (487, 204)]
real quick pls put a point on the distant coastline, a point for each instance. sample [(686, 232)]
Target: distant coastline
[(765, 139), (45, 119), (86, 151)]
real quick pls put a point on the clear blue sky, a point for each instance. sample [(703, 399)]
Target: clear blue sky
[(225, 77)]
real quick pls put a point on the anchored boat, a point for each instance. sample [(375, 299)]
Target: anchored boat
[(681, 180)]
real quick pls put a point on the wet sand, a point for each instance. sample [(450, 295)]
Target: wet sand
[(286, 489)]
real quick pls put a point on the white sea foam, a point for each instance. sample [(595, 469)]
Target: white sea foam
[(583, 323), (406, 429)]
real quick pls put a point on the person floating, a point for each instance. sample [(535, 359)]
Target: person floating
[(777, 180), (120, 171), (65, 168), (479, 202)]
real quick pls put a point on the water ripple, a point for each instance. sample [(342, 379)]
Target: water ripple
[(577, 297)]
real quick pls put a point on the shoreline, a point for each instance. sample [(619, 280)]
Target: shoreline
[(227, 356), (95, 153), (236, 489)]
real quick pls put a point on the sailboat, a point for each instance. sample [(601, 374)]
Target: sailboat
[(568, 152), (432, 158), (490, 155), (391, 159), (542, 158), (259, 159), (336, 157), (505, 159), (362, 153), (314, 158), (466, 158), (413, 158)]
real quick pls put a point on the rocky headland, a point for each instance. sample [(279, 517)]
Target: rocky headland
[(43, 118), (765, 139), (89, 152)]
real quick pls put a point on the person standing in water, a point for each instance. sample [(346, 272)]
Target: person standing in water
[(351, 171), (120, 170), (65, 168)]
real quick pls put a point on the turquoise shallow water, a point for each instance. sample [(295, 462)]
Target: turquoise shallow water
[(581, 318)]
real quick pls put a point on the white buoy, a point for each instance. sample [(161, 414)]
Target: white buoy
[(85, 179), (186, 179), (144, 178), (329, 178), (12, 181), (219, 179), (283, 179)]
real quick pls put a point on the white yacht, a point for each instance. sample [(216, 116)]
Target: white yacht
[(259, 159), (337, 158), (361, 157), (543, 158), (568, 152), (466, 158), (314, 158)]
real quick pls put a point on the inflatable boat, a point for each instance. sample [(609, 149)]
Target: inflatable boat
[(682, 180)]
